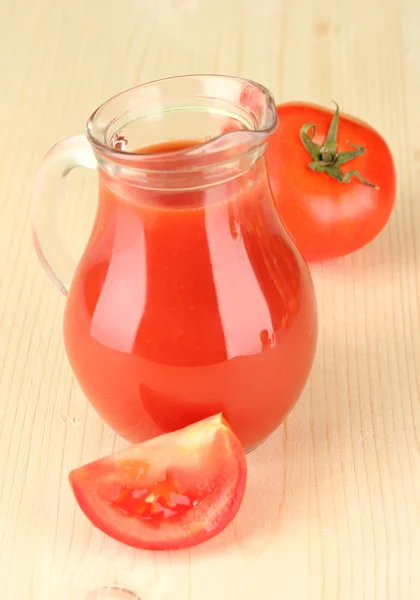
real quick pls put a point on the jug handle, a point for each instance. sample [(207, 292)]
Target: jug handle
[(51, 249)]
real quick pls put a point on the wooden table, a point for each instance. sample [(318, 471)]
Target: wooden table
[(332, 509)]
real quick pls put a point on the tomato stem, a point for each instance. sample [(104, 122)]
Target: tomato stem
[(326, 158)]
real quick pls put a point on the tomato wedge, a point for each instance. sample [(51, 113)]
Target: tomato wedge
[(173, 491)]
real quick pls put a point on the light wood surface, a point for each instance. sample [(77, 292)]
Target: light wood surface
[(332, 510)]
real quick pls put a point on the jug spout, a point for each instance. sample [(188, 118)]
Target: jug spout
[(244, 134), (251, 121)]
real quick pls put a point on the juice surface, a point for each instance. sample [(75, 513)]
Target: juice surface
[(189, 303)]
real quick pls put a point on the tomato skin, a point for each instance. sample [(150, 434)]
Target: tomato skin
[(205, 459), (327, 218)]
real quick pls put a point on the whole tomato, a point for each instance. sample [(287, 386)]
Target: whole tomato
[(332, 177)]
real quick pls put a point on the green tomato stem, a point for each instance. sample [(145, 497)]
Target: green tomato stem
[(326, 158)]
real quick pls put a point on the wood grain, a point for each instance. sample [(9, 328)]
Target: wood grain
[(332, 510)]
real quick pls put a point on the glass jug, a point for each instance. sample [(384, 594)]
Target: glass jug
[(190, 298)]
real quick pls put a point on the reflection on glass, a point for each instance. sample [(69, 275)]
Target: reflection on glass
[(112, 592)]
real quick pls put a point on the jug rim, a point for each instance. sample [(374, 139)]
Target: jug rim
[(97, 131)]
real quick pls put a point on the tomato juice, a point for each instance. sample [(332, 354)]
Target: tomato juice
[(190, 302)]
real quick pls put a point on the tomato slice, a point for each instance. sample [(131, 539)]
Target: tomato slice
[(173, 491)]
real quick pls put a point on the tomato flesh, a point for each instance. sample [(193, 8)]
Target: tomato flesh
[(163, 500), (174, 491)]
